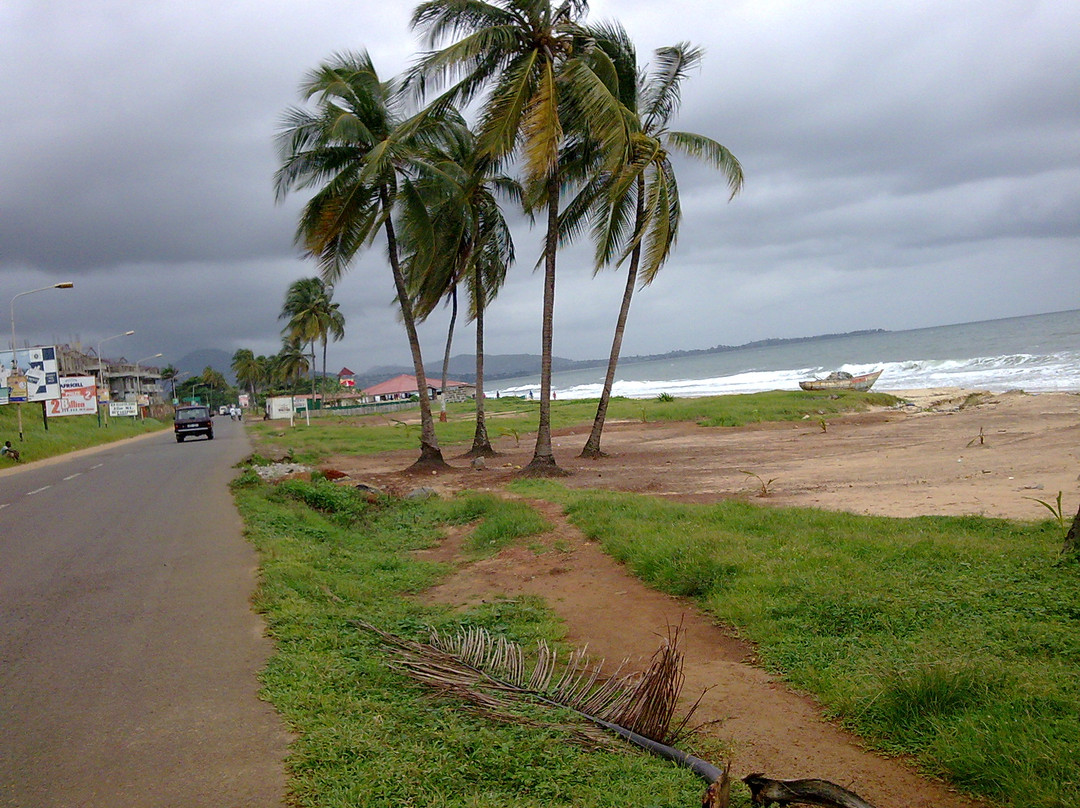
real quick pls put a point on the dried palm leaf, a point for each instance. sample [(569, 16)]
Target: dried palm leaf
[(493, 675)]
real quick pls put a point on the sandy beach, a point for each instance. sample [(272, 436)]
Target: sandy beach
[(946, 451)]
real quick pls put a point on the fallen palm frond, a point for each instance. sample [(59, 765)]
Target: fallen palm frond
[(494, 675)]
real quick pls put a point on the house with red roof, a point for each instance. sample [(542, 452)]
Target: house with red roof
[(404, 387)]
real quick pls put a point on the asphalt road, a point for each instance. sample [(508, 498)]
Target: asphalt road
[(129, 653)]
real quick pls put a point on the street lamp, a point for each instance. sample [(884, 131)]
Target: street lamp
[(101, 367), (14, 362), (138, 383), (177, 378)]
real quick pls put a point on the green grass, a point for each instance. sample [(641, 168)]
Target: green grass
[(955, 640), (65, 434), (334, 434), (367, 735), (500, 522)]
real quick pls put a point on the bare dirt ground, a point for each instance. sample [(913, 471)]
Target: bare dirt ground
[(949, 454)]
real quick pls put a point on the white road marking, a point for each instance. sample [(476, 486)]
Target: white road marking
[(99, 465), (4, 505), (73, 476), (38, 490)]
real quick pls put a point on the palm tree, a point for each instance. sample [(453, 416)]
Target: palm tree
[(169, 374), (356, 151), (312, 316), (543, 79), (636, 209), (290, 364), (247, 370), (214, 380), (472, 245)]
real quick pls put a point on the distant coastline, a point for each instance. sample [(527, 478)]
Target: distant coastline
[(512, 366)]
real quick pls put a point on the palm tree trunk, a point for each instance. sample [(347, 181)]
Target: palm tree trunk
[(430, 453), (481, 445), (592, 445), (446, 353), (543, 463), (313, 367)]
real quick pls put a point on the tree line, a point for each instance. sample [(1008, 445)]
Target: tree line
[(568, 127)]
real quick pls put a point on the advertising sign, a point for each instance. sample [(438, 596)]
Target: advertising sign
[(78, 396), (244, 400), (29, 374), (119, 409)]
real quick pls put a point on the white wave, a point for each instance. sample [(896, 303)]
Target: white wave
[(1031, 372)]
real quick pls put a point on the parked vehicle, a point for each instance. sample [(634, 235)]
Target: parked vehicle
[(190, 421)]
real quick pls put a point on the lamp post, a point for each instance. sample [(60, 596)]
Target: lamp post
[(138, 383), (101, 367), (14, 361), (175, 379)]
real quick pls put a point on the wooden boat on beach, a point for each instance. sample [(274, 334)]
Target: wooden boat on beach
[(841, 380)]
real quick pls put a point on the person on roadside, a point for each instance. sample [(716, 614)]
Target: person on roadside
[(7, 450)]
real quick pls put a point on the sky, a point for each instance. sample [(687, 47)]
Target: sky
[(907, 164)]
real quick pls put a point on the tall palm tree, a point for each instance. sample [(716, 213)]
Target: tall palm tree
[(636, 208), (169, 374), (354, 149), (312, 316), (543, 78), (290, 364), (247, 370), (473, 245), (332, 325), (215, 381), (303, 300)]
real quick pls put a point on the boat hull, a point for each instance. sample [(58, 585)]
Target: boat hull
[(862, 383)]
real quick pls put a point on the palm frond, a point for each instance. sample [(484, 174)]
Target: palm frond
[(662, 92), (541, 130), (706, 149), (497, 678), (474, 659)]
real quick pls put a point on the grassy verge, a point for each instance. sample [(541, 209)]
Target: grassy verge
[(66, 434), (369, 736), (331, 434), (956, 640)]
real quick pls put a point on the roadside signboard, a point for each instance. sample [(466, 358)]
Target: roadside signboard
[(120, 409), (29, 374), (78, 396)]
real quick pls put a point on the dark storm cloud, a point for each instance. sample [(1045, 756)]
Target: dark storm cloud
[(907, 165)]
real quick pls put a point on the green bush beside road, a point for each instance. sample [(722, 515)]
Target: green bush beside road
[(66, 434)]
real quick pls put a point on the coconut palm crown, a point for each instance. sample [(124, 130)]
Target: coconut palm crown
[(540, 76), (635, 209), (362, 155)]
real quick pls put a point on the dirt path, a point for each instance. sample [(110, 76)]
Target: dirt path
[(988, 458)]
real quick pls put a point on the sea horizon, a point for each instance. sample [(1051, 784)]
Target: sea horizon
[(1034, 353)]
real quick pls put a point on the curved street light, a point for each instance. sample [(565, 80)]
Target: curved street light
[(138, 382), (101, 366), (64, 285)]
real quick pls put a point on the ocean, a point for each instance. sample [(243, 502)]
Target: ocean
[(1038, 353)]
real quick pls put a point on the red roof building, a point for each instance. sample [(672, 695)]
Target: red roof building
[(403, 386)]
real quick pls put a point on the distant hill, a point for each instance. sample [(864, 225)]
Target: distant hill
[(197, 361), (510, 366)]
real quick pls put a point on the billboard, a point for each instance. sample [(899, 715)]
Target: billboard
[(119, 409), (78, 396), (29, 374)]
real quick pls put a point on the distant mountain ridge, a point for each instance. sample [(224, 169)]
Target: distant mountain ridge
[(197, 361), (462, 367), (496, 366)]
